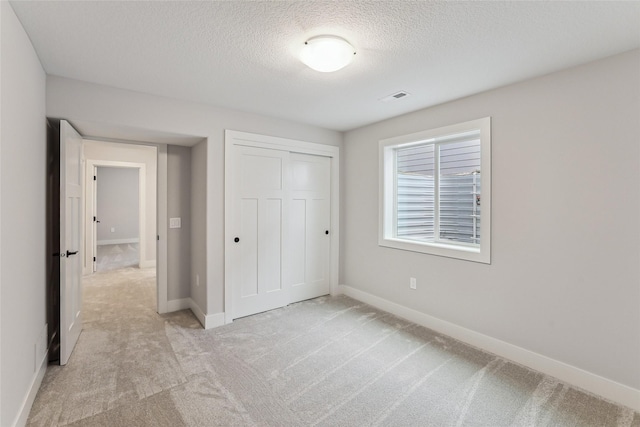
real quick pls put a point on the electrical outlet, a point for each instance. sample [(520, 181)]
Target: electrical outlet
[(412, 283)]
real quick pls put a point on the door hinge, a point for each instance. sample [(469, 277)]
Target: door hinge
[(94, 259), (95, 178), (94, 219), (158, 237)]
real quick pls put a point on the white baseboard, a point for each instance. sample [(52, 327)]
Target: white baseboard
[(207, 321), (178, 304), (27, 403), (117, 241), (214, 320), (227, 318), (150, 263), (197, 312), (588, 381)]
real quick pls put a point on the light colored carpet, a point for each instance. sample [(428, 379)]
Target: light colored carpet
[(331, 361), (114, 257)]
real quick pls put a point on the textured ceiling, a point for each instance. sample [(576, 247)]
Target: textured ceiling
[(244, 55)]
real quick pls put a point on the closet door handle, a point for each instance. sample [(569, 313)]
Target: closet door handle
[(69, 253), (326, 231), (237, 239)]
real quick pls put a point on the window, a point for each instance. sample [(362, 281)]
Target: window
[(435, 191)]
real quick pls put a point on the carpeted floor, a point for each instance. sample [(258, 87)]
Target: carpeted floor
[(114, 257), (331, 361)]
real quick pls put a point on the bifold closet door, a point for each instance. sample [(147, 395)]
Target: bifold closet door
[(260, 214), (310, 218)]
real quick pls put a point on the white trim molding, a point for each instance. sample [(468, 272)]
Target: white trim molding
[(208, 321), (214, 320), (197, 312), (162, 225), (178, 304), (117, 241), (147, 264), (572, 375), (27, 403)]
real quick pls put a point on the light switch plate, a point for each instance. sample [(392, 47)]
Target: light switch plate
[(175, 223)]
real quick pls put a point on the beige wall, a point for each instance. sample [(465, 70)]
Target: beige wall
[(564, 281)]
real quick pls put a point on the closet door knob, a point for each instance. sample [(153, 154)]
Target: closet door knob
[(326, 232), (237, 239)]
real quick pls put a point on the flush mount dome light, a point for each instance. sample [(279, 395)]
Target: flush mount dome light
[(327, 53)]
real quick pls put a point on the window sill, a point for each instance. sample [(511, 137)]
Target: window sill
[(465, 253)]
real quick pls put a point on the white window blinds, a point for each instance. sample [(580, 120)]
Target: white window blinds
[(438, 192)]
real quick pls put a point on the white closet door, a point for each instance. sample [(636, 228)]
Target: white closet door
[(259, 236), (310, 217)]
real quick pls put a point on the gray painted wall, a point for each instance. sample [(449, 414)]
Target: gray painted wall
[(551, 287), (95, 103), (118, 204), (564, 280), (199, 224), (22, 216), (179, 206)]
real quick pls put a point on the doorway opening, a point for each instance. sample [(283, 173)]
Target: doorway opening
[(86, 154), (120, 214), (118, 200)]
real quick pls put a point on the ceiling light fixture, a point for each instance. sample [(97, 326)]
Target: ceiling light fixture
[(327, 53)]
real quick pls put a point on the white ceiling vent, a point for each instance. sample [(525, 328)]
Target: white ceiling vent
[(395, 96)]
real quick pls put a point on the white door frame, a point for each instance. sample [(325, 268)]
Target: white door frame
[(90, 205), (162, 228), (92, 187), (236, 138)]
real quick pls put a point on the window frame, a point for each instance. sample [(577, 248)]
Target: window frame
[(387, 220)]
